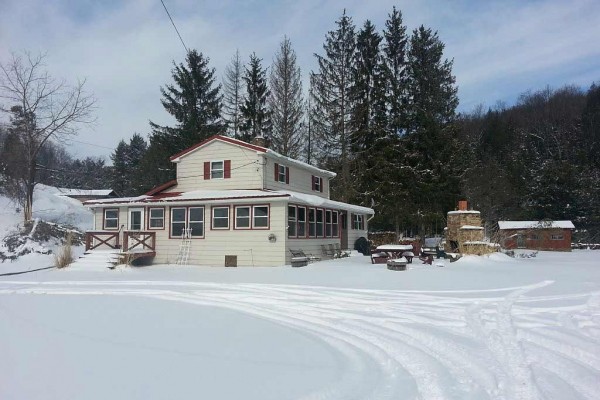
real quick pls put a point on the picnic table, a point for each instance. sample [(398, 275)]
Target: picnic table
[(383, 253)]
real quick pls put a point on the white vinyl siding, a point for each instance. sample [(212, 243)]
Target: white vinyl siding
[(246, 168)]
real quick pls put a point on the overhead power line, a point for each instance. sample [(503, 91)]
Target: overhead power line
[(176, 30)]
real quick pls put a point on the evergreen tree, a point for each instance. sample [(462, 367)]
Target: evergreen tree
[(195, 102), (233, 88), (256, 118), (332, 109), (120, 172), (285, 102), (431, 86), (394, 54), (430, 141), (369, 119), (127, 172)]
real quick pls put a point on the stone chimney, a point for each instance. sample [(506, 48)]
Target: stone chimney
[(260, 141)]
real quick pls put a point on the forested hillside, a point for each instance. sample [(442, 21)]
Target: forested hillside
[(537, 159)]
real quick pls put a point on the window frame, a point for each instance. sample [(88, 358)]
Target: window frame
[(336, 224), (222, 170), (312, 223), (292, 223), (203, 221), (281, 173), (268, 216), (358, 222), (104, 227), (212, 219), (235, 215), (149, 222), (322, 223), (171, 209), (304, 222), (328, 224), (318, 184), (557, 236)]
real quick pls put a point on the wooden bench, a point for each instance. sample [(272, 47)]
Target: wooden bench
[(299, 259), (379, 258)]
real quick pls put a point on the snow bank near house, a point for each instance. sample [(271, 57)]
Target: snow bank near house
[(54, 215)]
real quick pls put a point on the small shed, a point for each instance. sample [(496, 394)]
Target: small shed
[(87, 194), (536, 235)]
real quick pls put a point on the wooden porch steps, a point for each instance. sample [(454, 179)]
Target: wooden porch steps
[(94, 260)]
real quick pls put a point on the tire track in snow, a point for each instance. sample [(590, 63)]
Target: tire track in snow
[(381, 338)]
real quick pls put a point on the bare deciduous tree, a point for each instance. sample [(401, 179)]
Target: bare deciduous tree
[(42, 110)]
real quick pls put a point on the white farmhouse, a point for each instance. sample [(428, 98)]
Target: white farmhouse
[(236, 200)]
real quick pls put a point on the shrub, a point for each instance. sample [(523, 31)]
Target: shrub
[(64, 256)]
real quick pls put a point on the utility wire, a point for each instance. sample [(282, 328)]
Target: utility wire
[(176, 30)]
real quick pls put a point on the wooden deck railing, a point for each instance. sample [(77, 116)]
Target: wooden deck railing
[(139, 241), (94, 239)]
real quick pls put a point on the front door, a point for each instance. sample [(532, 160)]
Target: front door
[(344, 231), (520, 241), (136, 219)]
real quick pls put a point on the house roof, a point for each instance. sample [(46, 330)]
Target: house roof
[(85, 192), (236, 196), (503, 225), (259, 149)]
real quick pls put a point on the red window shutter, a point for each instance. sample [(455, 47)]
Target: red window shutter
[(207, 170), (312, 178), (287, 176), (227, 172), (276, 176)]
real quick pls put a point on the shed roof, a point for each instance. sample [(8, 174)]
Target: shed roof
[(504, 225)]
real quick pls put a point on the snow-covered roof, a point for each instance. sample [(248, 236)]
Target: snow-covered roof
[(535, 224), (85, 192), (215, 196), (317, 201), (288, 160), (463, 212), (471, 227), (481, 243)]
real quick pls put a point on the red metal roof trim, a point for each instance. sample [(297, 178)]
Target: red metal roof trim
[(172, 197), (160, 188), (223, 139)]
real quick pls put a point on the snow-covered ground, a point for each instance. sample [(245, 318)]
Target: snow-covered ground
[(479, 328)]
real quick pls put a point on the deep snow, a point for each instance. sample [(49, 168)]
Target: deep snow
[(479, 328)]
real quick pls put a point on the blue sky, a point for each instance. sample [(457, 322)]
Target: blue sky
[(125, 48)]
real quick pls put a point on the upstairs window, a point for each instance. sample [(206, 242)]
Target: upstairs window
[(220, 169), (317, 183), (282, 173), (216, 170)]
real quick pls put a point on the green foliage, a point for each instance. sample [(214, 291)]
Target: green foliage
[(256, 121)]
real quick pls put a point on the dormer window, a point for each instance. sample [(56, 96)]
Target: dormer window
[(317, 183), (282, 173)]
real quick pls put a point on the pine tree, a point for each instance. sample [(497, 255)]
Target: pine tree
[(333, 106), (233, 88), (429, 147), (195, 102), (120, 171), (285, 102), (369, 119), (256, 119), (394, 54)]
